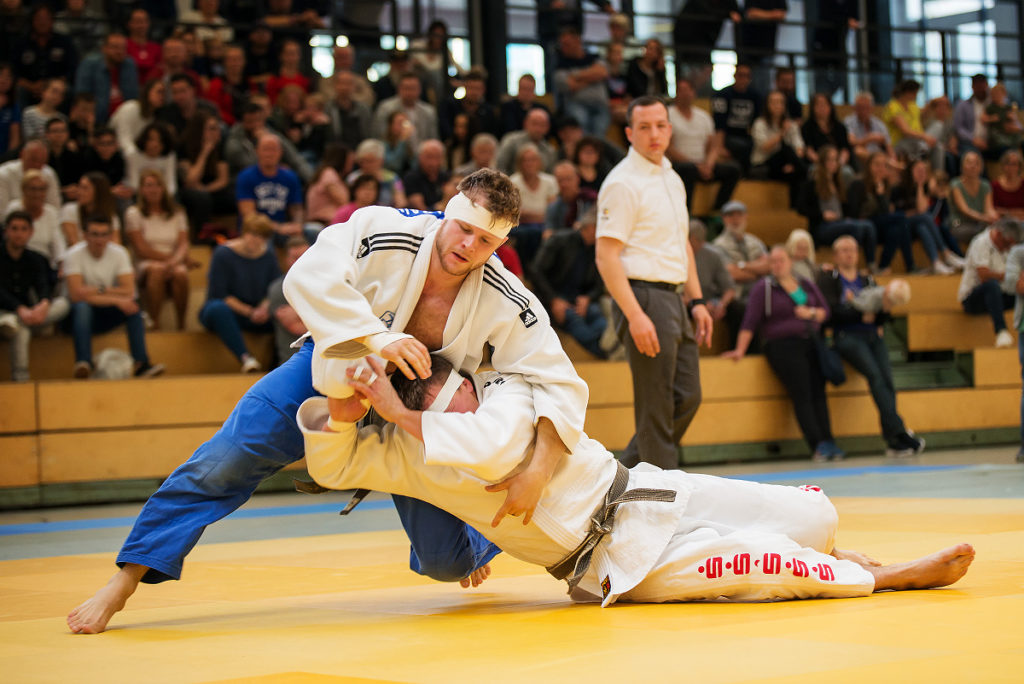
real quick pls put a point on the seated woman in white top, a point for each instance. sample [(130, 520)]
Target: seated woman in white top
[(134, 115), (154, 149), (158, 233), (47, 238), (779, 146), (94, 197), (538, 190)]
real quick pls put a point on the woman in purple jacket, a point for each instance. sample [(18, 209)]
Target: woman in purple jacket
[(787, 312)]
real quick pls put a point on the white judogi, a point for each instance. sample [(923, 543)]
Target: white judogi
[(719, 538), (364, 278)]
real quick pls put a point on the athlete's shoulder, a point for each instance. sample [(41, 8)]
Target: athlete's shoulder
[(388, 229), (506, 289)]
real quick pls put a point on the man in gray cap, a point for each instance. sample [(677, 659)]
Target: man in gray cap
[(746, 258)]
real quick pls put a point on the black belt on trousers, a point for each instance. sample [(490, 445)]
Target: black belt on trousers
[(670, 287), (573, 567)]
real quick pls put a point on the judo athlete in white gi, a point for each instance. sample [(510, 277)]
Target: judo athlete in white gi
[(715, 538), (384, 281)]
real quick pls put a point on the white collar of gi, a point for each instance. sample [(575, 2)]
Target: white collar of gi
[(448, 389), (464, 209), (646, 165)]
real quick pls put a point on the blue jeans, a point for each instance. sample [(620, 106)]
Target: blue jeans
[(594, 118), (989, 298), (924, 229), (217, 317), (259, 438), (87, 320), (866, 352), (587, 329), (861, 230), (894, 233)]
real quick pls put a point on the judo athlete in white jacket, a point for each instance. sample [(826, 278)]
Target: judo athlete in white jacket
[(717, 539), (356, 290)]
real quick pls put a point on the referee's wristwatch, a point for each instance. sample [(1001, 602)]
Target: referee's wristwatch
[(699, 301)]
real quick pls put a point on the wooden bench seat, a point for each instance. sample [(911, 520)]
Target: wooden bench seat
[(996, 367), (950, 330), (928, 293)]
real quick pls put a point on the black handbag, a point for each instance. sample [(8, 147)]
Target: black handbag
[(828, 357)]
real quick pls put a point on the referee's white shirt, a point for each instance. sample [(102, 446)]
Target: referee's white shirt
[(643, 205)]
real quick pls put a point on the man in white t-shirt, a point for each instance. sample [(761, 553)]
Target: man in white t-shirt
[(695, 149), (981, 285), (101, 282)]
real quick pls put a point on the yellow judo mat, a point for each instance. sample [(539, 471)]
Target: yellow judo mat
[(344, 608)]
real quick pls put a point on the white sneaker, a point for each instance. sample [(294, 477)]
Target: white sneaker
[(251, 365), (8, 325), (1004, 339), (955, 261), (939, 268)]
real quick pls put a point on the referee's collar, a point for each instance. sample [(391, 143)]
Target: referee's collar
[(645, 165)]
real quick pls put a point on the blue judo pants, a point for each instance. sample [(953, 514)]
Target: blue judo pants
[(259, 438)]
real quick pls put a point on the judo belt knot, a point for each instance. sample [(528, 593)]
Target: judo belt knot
[(573, 567)]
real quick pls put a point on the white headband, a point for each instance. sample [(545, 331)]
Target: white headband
[(447, 391), (464, 209)]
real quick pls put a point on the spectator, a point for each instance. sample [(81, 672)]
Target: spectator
[(208, 22), (205, 180), (432, 59), (33, 156), (94, 198), (104, 157), (240, 146), (800, 248), (646, 75), (47, 238), (134, 115), (184, 105), (289, 70), (286, 16), (695, 33), (229, 91), (553, 17), (422, 115), (364, 191), (535, 132), (158, 232), (572, 200), (971, 209), (537, 190), (823, 201), (590, 163), (745, 256), (344, 63), (423, 185), (1003, 121), (755, 42), (788, 313), (270, 189), (65, 162), (85, 27), (483, 153), (174, 60), (983, 286), (618, 85), (580, 83), (13, 23), (370, 160), (303, 120), (27, 301), (938, 123), (871, 197), (350, 118), (778, 145), (101, 283), (514, 110), (1014, 280), (716, 284), (903, 119), (10, 113), (288, 327), (969, 117), (1008, 186), (868, 135), (915, 201), (734, 109), (618, 29), (457, 146), (397, 145), (82, 120), (828, 44), (42, 55), (146, 52), (481, 117), (34, 118), (154, 149), (398, 66), (564, 275), (327, 192), (860, 342), (260, 58), (241, 272), (785, 83), (823, 128), (110, 75)]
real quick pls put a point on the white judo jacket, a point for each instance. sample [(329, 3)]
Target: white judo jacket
[(462, 452), (365, 277)]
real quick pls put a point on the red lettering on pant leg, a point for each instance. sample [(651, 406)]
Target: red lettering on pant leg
[(825, 572), (741, 564), (712, 567), (810, 488), (800, 568), (772, 564)]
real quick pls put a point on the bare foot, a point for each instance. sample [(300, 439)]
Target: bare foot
[(937, 570), (477, 577), (92, 616)]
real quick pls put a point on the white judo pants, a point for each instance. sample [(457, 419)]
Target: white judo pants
[(745, 541)]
